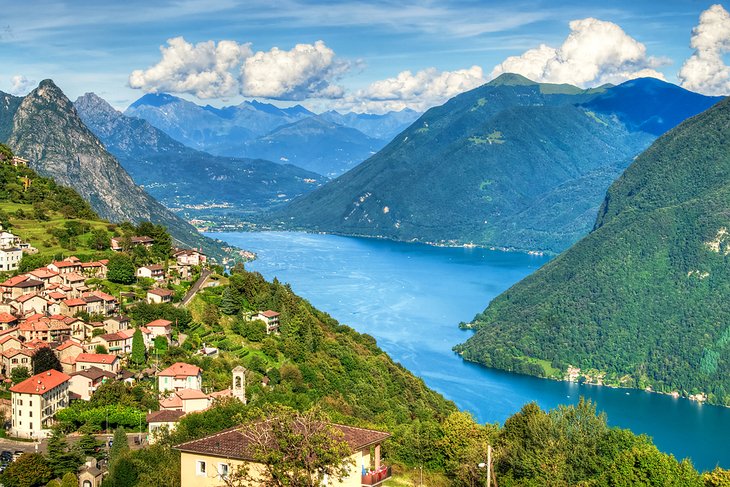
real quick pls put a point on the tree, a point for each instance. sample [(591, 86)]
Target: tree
[(138, 348), (119, 446), (70, 480), (295, 449), (89, 446), (19, 374), (120, 269), (717, 478), (161, 344), (61, 459), (30, 470), (101, 349), (99, 239), (229, 304), (44, 359)]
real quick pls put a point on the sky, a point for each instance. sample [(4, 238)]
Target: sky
[(360, 56)]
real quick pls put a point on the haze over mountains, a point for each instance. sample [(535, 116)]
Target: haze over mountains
[(511, 164), (328, 144), (45, 128), (194, 183), (643, 298)]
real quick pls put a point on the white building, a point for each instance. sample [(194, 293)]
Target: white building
[(271, 318), (35, 402), (10, 258), (180, 376), (8, 240)]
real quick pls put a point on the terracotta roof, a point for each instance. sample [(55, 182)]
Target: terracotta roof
[(165, 416), (5, 339), (180, 369), (41, 383), (7, 318), (96, 358), (188, 394), (142, 239), (38, 325), (72, 258), (232, 443), (112, 337), (42, 273), (74, 302), (72, 276), (14, 281), (269, 314), (90, 298), (86, 265), (68, 344), (12, 352), (29, 283), (128, 333), (10, 331), (104, 296), (94, 373), (158, 323), (34, 317), (27, 297), (64, 263), (36, 343), (161, 292), (171, 402), (57, 295)]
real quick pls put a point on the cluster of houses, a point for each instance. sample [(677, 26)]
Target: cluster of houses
[(11, 251)]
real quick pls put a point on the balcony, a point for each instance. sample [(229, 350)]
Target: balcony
[(376, 477)]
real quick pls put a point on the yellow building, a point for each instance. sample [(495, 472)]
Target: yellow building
[(207, 461)]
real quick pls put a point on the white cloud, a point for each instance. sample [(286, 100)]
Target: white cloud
[(227, 68), (595, 52), (306, 71), (20, 85), (204, 69), (705, 71), (418, 91)]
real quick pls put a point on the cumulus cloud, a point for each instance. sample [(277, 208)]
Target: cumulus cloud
[(418, 91), (203, 69), (227, 68), (306, 71), (705, 71), (595, 52), (20, 85)]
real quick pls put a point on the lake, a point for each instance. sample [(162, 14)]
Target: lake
[(411, 297)]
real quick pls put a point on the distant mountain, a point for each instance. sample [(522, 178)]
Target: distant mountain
[(316, 145), (195, 183), (385, 126), (511, 164), (329, 144), (642, 300), (46, 130)]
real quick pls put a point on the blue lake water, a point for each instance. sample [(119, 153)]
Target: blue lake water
[(411, 297)]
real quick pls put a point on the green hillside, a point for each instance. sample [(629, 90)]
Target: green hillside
[(511, 164), (642, 300)]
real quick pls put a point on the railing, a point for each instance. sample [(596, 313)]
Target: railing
[(377, 477)]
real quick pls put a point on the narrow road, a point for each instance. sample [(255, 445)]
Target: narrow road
[(204, 274)]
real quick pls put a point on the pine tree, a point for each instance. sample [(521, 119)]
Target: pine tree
[(69, 480), (229, 303), (89, 446), (61, 459), (138, 348), (119, 446)]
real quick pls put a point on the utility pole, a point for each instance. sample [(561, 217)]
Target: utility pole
[(489, 465)]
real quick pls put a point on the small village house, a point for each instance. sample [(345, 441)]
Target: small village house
[(117, 243), (271, 318), (153, 271), (85, 382), (159, 295), (160, 328), (10, 258), (180, 376), (208, 461), (103, 361), (162, 420)]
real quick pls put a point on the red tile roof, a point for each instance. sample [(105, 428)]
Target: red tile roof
[(269, 314), (7, 318), (180, 369), (158, 323), (68, 344), (41, 383), (232, 443), (74, 302), (14, 281), (27, 297), (96, 358), (165, 416), (42, 273), (188, 394), (64, 263)]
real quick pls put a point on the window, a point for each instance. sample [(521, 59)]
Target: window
[(223, 470), (31, 425), (200, 467), (30, 413)]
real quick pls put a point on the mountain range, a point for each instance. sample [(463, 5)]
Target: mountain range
[(45, 128), (642, 300), (512, 164), (329, 144), (191, 182)]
